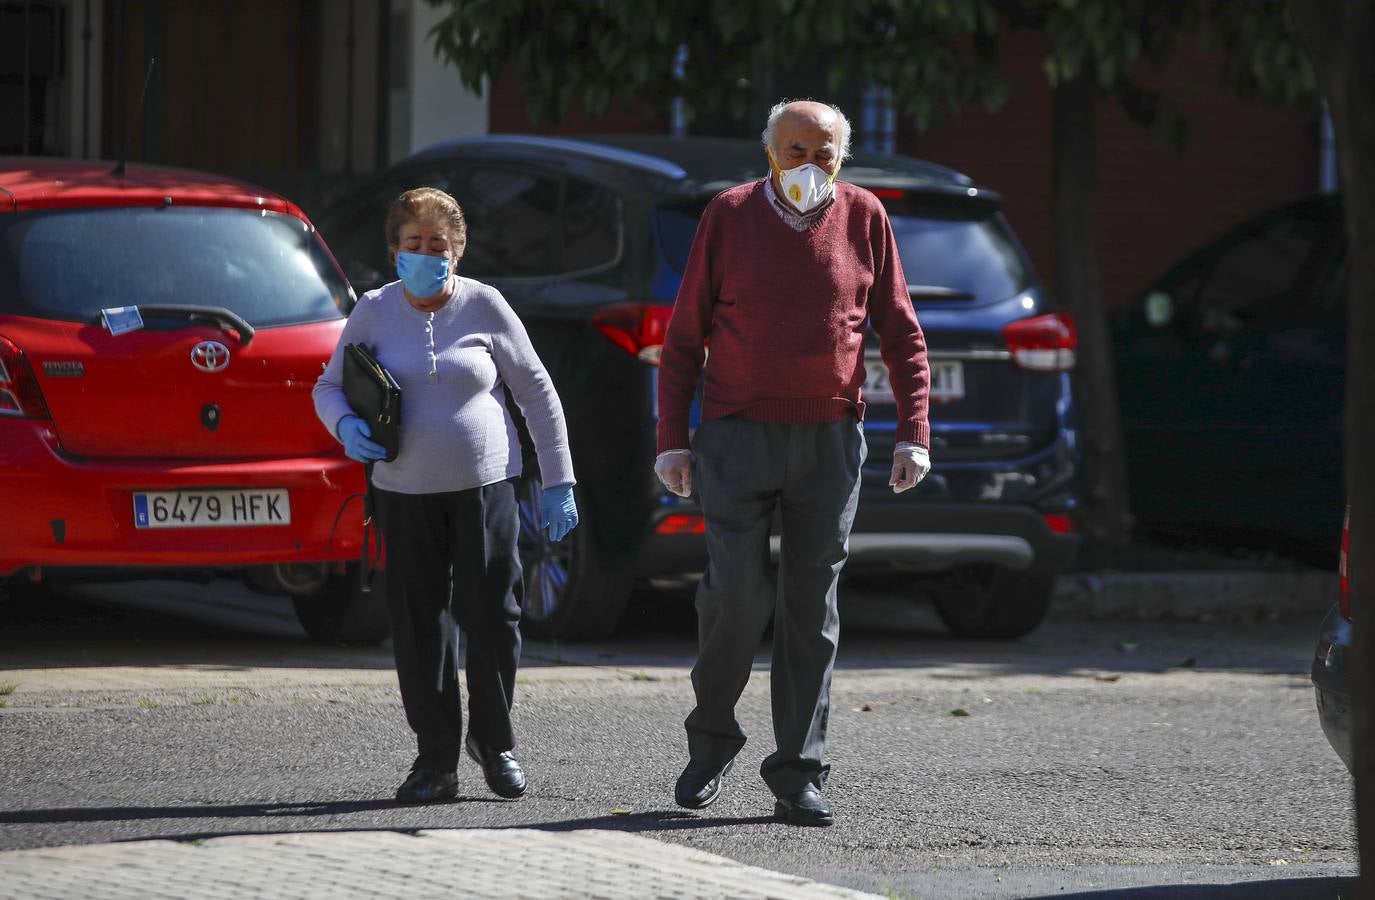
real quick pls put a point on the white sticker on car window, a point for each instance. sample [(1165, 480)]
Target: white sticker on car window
[(121, 319)]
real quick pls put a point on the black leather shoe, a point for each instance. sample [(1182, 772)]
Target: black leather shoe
[(503, 773), (806, 807), (700, 784), (427, 786)]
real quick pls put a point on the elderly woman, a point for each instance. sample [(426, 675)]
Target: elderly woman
[(447, 504)]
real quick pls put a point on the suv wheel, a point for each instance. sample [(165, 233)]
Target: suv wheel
[(571, 591), (341, 612), (997, 603)]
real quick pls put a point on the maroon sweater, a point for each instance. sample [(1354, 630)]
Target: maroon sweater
[(785, 313)]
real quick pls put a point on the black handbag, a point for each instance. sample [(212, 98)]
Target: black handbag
[(374, 396)]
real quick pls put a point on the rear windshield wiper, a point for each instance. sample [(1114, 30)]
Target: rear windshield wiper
[(936, 292), (216, 314)]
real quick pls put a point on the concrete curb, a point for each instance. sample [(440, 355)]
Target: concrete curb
[(476, 863), (1195, 596)]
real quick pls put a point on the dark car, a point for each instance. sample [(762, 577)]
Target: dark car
[(588, 238), (1231, 369), (152, 320), (1332, 661)]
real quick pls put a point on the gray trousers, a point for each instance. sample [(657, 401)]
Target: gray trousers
[(745, 471)]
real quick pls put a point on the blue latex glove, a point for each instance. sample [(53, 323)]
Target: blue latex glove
[(558, 512), (354, 432)]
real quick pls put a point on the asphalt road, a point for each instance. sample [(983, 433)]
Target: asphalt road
[(1183, 759)]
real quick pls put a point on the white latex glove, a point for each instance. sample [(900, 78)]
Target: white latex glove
[(674, 468), (911, 462)]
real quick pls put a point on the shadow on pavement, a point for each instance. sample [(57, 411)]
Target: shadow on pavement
[(660, 820), (268, 818), (1279, 889), (240, 810)]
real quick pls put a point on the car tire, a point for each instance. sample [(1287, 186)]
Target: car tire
[(999, 603), (342, 612), (573, 592)]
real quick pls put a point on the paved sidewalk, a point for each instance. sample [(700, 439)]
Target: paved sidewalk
[(516, 863), (1196, 596)]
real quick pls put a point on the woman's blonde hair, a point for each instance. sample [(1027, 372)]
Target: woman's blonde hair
[(428, 206)]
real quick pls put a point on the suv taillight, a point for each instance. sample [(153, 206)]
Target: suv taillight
[(19, 392), (1343, 579), (1043, 343), (637, 328)]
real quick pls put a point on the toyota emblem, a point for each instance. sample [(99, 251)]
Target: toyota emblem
[(210, 356)]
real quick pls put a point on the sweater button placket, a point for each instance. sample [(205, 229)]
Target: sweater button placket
[(429, 348)]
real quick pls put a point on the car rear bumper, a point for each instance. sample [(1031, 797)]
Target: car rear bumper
[(1332, 682), (912, 537), (66, 512), (935, 537)]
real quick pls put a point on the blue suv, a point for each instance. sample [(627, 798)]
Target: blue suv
[(587, 239)]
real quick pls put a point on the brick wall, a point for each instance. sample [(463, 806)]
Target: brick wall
[(1154, 204), (506, 114)]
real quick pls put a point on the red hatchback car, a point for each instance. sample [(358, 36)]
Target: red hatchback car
[(160, 333)]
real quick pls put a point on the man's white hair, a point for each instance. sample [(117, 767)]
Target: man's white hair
[(776, 112)]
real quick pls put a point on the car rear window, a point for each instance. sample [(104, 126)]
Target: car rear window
[(69, 264), (522, 222), (946, 245), (976, 257)]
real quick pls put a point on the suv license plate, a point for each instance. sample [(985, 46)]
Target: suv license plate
[(947, 381), (211, 509)]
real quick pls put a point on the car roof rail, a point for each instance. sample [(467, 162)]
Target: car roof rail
[(642, 161)]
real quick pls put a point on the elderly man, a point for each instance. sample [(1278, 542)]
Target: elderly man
[(784, 276)]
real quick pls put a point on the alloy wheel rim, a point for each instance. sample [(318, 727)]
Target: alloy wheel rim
[(547, 565)]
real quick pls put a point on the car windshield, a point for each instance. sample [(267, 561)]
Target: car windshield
[(973, 257), (69, 264)]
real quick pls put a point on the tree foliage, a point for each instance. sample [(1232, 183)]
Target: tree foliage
[(602, 52), (937, 56), (1131, 46)]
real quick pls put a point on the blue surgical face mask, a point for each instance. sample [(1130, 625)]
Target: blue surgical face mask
[(423, 275)]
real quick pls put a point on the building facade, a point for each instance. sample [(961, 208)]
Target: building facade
[(303, 96)]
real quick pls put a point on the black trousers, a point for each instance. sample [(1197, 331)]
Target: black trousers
[(746, 472), (452, 563)]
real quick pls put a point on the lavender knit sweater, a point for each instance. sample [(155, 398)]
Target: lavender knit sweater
[(455, 431)]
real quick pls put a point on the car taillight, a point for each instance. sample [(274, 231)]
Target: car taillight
[(1343, 579), (681, 523), (637, 328), (19, 391), (1060, 523), (1043, 343)]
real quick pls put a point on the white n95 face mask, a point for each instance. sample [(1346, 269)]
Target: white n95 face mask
[(807, 186)]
